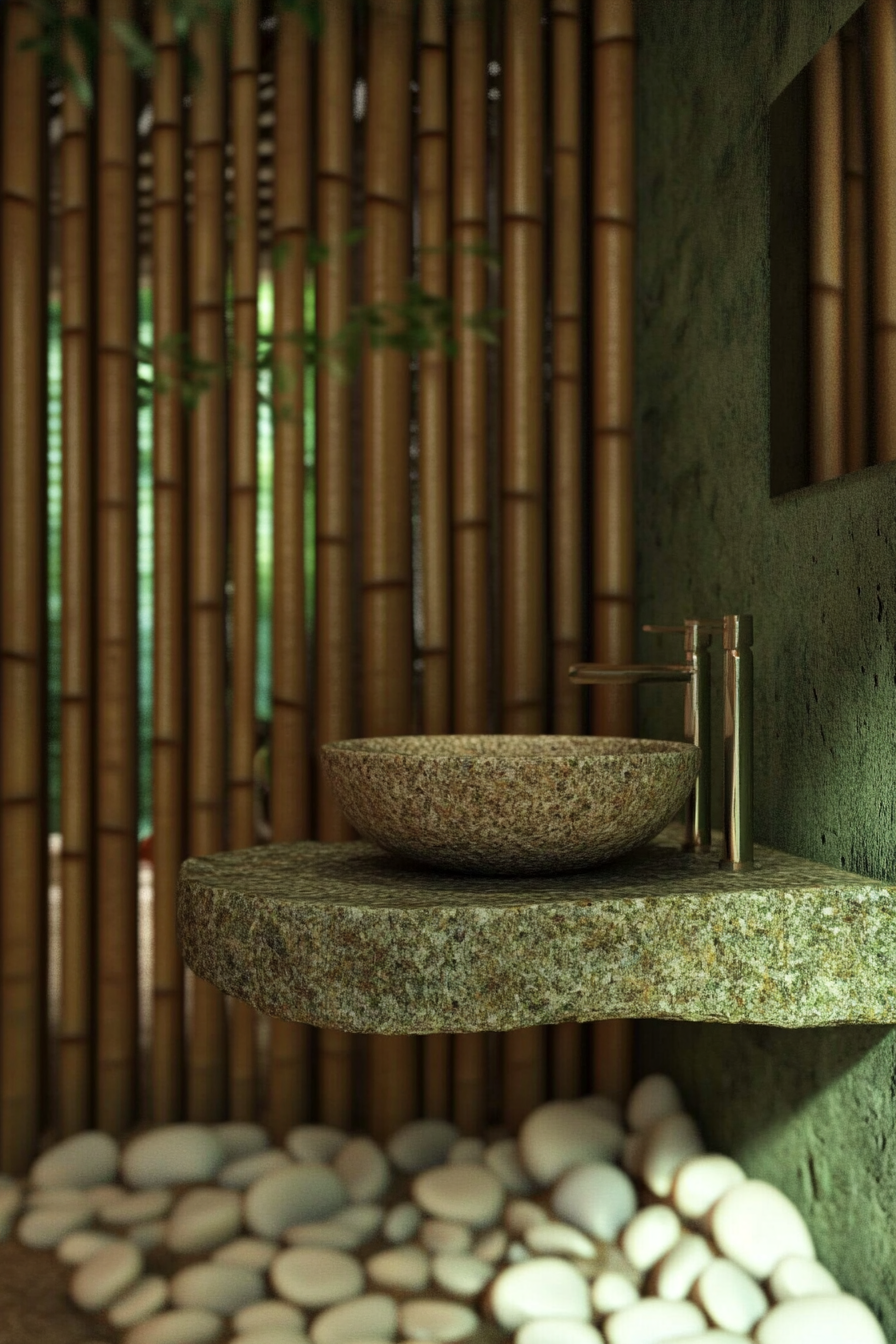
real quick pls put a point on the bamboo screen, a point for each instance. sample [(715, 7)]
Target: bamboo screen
[(447, 522)]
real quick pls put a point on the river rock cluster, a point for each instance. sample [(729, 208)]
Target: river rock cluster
[(591, 1226)]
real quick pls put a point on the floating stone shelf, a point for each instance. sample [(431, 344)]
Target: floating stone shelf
[(346, 936)]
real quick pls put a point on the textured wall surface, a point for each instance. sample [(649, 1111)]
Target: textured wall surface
[(817, 569)]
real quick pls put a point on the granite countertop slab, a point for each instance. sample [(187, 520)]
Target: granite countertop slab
[(347, 936)]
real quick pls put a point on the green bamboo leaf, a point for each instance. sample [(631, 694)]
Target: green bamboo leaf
[(138, 51)]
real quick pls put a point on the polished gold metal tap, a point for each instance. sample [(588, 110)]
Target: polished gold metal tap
[(737, 638)]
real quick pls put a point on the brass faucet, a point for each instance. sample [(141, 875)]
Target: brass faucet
[(737, 639)]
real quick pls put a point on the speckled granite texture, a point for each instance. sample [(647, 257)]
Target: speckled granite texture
[(346, 936), (509, 804)]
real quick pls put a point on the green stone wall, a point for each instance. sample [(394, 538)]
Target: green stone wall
[(812, 1110)]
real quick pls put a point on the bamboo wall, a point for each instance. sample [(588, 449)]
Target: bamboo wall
[(472, 508)]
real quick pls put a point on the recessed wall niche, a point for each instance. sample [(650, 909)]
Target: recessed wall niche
[(832, 135)]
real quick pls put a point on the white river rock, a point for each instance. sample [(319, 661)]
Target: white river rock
[(172, 1155), (147, 1297), (375, 1316), (103, 1277), (421, 1144), (148, 1235), (241, 1138), (597, 1198), (406, 1268), (314, 1143), (675, 1275), (730, 1297), (250, 1252), (430, 1319), (305, 1192), (188, 1325), (316, 1278), (80, 1246), (558, 1239), (799, 1276), (268, 1316), (462, 1275), (401, 1222), (503, 1158), (756, 1225), (522, 1213), (244, 1171), (221, 1288), (461, 1192), (364, 1169), (543, 1287), (562, 1134), (702, 1181), (832, 1319), (558, 1332), (653, 1321), (668, 1145), (650, 1235), (42, 1229), (468, 1149), (203, 1219), (440, 1234), (84, 1159), (492, 1245), (650, 1100), (613, 1290), (141, 1206)]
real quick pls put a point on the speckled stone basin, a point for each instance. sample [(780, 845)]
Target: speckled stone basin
[(505, 805)]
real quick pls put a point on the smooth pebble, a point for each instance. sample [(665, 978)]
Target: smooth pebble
[(84, 1159), (268, 1315), (652, 1099), (314, 1143), (613, 1290), (503, 1159), (421, 1144), (678, 1271), (669, 1144), (329, 1232), (517, 1253), (147, 1297), (148, 1235), (272, 1334), (80, 1246), (140, 1207), (404, 1267), (756, 1225), (401, 1222), (463, 1191), (42, 1229), (522, 1213), (832, 1319), (172, 1155), (375, 1315), (244, 1171), (203, 1219), (305, 1192), (462, 1275), (103, 1277), (316, 1278), (561, 1134), (430, 1319), (799, 1276), (730, 1297), (241, 1138), (558, 1332), (217, 1287), (652, 1321), (597, 1198), (492, 1245), (179, 1326), (58, 1198), (440, 1234), (467, 1149), (558, 1239), (702, 1181), (650, 1235), (250, 1252), (364, 1169), (542, 1287)]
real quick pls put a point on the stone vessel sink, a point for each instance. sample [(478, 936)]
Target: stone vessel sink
[(508, 805)]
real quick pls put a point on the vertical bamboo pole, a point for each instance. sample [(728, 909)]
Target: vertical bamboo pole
[(826, 384), (243, 488), (386, 547), (334, 633), (435, 506), (206, 1059), (882, 88), (116, 717), (75, 1035), (470, 521), (22, 842), (855, 258), (566, 424), (613, 301), (522, 493), (169, 661), (290, 813), (432, 137)]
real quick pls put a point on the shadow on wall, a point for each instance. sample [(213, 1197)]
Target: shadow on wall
[(810, 1110)]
